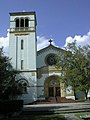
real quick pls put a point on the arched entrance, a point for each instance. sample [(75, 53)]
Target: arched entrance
[(52, 86)]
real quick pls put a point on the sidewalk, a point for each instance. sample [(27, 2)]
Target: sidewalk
[(71, 116), (58, 108), (67, 109)]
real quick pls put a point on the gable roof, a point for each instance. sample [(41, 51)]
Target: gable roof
[(50, 47)]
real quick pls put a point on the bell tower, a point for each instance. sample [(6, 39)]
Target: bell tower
[(22, 49)]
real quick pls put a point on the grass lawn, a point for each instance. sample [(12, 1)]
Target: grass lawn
[(38, 117), (50, 117), (82, 114)]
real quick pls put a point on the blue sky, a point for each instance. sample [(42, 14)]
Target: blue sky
[(60, 20)]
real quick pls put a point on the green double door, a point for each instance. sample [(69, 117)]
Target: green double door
[(54, 91)]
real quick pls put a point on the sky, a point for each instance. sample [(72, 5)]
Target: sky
[(62, 21)]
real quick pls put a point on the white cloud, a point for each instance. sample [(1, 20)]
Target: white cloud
[(80, 40), (4, 42), (43, 42)]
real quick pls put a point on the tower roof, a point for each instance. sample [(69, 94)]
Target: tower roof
[(22, 13)]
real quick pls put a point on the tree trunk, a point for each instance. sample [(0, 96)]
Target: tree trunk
[(75, 94), (86, 93)]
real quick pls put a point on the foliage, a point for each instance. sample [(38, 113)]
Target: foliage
[(8, 85), (76, 66), (8, 107), (78, 115), (50, 117)]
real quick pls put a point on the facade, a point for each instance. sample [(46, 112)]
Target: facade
[(38, 74)]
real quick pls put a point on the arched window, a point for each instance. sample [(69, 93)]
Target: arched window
[(22, 22), (23, 84), (26, 22), (17, 22)]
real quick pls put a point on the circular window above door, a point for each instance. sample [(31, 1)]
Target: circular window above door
[(51, 59)]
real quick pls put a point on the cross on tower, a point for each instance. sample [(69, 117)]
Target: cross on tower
[(50, 41)]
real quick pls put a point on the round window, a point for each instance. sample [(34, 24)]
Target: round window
[(50, 59)]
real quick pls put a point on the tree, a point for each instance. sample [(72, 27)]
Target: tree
[(76, 66), (8, 86)]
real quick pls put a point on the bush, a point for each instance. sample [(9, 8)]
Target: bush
[(10, 106)]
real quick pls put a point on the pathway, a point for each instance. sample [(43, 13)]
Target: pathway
[(71, 116)]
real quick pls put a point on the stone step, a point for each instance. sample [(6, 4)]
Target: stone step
[(49, 111), (55, 100)]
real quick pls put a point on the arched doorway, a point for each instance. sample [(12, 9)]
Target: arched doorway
[(52, 87)]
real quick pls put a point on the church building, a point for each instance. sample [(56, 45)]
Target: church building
[(38, 74)]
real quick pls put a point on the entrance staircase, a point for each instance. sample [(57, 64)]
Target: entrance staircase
[(54, 100), (61, 100)]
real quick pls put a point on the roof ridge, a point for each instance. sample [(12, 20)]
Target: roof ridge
[(49, 46)]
